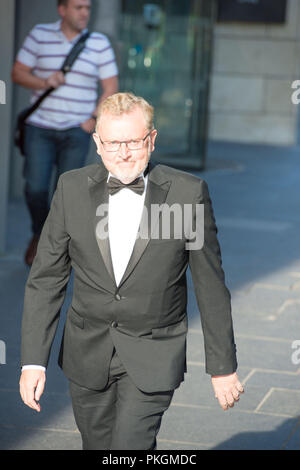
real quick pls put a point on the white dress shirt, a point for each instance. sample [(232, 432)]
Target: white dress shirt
[(124, 215)]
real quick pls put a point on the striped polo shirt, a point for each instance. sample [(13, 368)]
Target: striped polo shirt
[(44, 50)]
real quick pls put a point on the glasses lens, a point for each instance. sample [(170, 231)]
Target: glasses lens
[(111, 146), (135, 144)]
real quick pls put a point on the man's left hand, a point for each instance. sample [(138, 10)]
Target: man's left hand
[(227, 389), (88, 125)]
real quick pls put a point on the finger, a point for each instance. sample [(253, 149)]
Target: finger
[(235, 394), (53, 83), (230, 400), (39, 390), (240, 387), (61, 77), (34, 405), (30, 401), (222, 401)]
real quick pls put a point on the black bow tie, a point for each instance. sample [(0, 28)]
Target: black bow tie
[(114, 185)]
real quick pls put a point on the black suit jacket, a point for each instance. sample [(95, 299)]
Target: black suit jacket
[(144, 317)]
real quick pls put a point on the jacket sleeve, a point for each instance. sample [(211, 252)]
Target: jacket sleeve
[(46, 286), (213, 297)]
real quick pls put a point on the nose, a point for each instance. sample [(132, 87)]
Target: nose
[(124, 151)]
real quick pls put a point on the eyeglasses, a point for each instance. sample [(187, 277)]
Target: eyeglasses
[(130, 144)]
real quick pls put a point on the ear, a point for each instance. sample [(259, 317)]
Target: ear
[(153, 136), (97, 142), (61, 11)]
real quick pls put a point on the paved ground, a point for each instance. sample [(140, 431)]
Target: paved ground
[(256, 196)]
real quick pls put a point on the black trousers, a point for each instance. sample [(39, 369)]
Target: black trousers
[(119, 417)]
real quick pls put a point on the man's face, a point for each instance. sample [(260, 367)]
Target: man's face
[(124, 164), (76, 14)]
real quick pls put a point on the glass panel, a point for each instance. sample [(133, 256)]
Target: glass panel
[(165, 58)]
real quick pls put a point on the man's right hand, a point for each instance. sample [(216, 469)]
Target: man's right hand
[(55, 80), (32, 383)]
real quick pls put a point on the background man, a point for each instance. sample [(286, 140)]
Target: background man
[(58, 132), (124, 344)]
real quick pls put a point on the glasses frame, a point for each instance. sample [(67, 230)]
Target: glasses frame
[(126, 142)]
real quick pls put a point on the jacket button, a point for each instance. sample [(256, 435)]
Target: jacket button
[(117, 297), (114, 324)]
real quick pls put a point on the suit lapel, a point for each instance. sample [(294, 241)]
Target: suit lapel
[(99, 208), (156, 193)]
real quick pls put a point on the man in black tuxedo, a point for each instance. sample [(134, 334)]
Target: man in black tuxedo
[(124, 342)]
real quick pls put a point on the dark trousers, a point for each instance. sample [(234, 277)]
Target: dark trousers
[(45, 150), (119, 417)]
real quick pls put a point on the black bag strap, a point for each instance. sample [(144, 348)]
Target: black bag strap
[(75, 51), (65, 68)]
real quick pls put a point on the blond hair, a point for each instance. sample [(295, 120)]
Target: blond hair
[(121, 103)]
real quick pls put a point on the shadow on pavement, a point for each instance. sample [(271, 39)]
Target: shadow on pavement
[(271, 440)]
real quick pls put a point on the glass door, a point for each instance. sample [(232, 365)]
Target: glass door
[(165, 57)]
